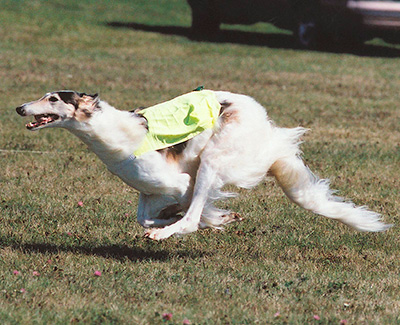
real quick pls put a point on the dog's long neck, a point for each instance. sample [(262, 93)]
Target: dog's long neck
[(113, 135)]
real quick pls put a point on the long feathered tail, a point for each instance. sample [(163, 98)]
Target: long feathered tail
[(311, 193)]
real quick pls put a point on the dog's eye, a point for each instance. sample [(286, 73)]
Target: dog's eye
[(53, 99)]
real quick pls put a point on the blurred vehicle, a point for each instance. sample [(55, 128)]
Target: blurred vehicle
[(313, 22)]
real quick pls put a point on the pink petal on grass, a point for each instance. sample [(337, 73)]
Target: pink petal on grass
[(186, 322), (167, 316), (35, 273), (15, 272), (80, 203), (97, 273), (22, 290), (276, 315), (129, 202), (316, 317)]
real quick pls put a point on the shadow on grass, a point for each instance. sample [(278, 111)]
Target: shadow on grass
[(272, 40), (118, 252)]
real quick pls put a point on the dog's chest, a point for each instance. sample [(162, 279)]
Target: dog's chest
[(151, 174)]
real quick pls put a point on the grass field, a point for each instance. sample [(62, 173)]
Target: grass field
[(281, 265)]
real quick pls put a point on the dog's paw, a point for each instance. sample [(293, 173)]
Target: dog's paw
[(157, 233), (231, 217)]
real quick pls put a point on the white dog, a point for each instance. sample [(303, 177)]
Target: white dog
[(179, 182)]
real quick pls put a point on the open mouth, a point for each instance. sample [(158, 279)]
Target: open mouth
[(42, 120)]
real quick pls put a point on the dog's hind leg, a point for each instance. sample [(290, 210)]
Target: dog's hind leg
[(157, 210), (311, 193), (190, 222)]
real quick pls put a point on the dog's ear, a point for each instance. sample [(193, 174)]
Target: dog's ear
[(94, 98), (84, 94), (87, 104)]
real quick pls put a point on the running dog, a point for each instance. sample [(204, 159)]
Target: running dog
[(179, 183)]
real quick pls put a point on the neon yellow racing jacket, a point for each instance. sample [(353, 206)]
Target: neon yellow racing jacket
[(179, 120)]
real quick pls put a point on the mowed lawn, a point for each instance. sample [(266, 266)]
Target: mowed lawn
[(280, 265)]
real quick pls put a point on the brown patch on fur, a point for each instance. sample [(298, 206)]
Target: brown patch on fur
[(85, 106), (229, 116), (286, 176), (224, 106), (82, 115), (69, 97), (173, 154), (144, 121)]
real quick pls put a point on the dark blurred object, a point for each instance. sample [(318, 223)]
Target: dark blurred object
[(313, 22)]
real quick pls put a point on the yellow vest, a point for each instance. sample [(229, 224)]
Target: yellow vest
[(179, 120)]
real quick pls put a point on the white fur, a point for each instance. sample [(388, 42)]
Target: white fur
[(240, 150)]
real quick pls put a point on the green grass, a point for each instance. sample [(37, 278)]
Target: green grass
[(280, 259)]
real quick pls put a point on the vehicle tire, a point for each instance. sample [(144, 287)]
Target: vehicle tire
[(205, 23)]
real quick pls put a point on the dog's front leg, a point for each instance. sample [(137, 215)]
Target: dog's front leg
[(190, 222)]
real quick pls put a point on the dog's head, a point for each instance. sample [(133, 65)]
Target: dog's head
[(59, 108)]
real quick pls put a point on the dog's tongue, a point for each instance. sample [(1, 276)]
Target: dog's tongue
[(44, 119)]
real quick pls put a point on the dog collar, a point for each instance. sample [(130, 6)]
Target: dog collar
[(178, 120)]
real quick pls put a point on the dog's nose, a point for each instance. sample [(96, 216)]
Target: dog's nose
[(20, 110)]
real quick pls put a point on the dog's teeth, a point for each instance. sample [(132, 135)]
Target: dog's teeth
[(31, 125)]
